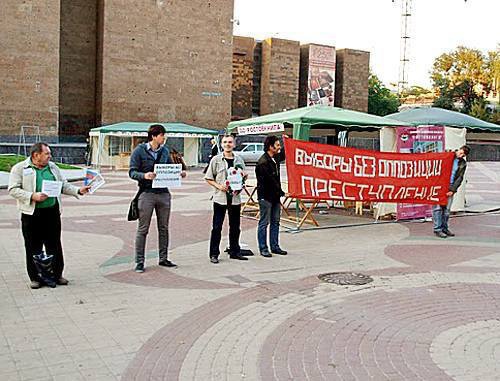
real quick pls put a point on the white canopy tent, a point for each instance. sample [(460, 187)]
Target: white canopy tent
[(112, 145)]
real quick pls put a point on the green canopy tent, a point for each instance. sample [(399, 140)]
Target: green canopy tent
[(303, 119), (112, 144), (435, 116), (456, 126)]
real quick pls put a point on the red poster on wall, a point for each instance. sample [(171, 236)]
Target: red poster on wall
[(325, 172), (418, 140)]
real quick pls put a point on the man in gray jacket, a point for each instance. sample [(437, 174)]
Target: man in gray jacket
[(142, 164), (40, 214), (441, 213), (225, 200)]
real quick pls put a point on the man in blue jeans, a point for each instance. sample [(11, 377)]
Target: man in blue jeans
[(269, 193), (441, 213)]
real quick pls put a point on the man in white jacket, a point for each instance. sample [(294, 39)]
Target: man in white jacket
[(40, 214)]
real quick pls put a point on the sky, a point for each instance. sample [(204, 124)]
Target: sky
[(437, 26)]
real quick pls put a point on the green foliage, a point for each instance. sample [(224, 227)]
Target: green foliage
[(415, 91), (8, 161), (478, 110), (381, 101), (465, 76)]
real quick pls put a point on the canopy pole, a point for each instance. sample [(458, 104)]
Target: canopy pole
[(100, 147)]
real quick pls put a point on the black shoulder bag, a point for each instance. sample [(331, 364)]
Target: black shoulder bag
[(133, 210)]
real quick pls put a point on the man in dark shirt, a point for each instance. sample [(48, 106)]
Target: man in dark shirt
[(214, 151), (142, 163), (269, 193), (441, 213)]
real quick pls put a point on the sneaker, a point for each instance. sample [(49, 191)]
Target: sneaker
[(266, 254), (62, 281), (214, 260), (440, 234), (139, 268), (449, 233), (239, 257), (167, 263), (34, 284), (279, 251)]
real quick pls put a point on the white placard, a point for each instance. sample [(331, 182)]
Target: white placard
[(257, 129), (167, 176), (235, 178), (51, 188)]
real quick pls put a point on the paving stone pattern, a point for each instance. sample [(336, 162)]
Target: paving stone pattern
[(430, 313)]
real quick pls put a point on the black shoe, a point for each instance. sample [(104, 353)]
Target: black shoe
[(279, 251), (167, 263), (448, 233), (214, 260), (139, 268), (239, 257), (440, 234), (62, 281), (266, 254)]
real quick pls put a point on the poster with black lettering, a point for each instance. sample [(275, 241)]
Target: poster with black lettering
[(325, 172), (421, 139)]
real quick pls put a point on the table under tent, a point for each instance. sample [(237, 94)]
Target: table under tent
[(112, 145), (304, 123), (455, 125)]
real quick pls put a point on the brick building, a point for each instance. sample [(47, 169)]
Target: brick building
[(351, 79), (68, 66), (243, 79), (279, 87), (166, 61), (29, 70)]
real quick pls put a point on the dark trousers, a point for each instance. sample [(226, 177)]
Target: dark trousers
[(234, 228), (43, 229)]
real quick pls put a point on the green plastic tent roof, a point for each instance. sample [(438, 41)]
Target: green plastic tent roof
[(319, 114), (442, 117), (137, 127)]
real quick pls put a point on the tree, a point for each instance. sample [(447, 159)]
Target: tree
[(463, 76), (381, 101)]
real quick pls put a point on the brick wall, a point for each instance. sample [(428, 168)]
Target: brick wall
[(242, 87), (351, 87), (165, 61), (29, 65), (257, 75), (280, 75), (77, 68)]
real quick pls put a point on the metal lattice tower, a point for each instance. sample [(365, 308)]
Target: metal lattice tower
[(404, 54)]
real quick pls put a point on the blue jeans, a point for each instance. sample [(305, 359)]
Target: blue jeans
[(269, 214), (441, 214)]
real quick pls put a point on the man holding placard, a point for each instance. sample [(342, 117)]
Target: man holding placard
[(37, 184), (151, 167), (226, 175)]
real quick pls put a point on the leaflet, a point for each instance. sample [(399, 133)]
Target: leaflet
[(52, 188)]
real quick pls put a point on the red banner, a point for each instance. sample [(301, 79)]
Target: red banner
[(325, 172)]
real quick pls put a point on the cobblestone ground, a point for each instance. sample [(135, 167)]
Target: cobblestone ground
[(431, 312)]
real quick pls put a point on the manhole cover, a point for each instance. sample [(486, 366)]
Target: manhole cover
[(345, 278)]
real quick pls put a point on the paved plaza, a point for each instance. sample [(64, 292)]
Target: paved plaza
[(432, 311)]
